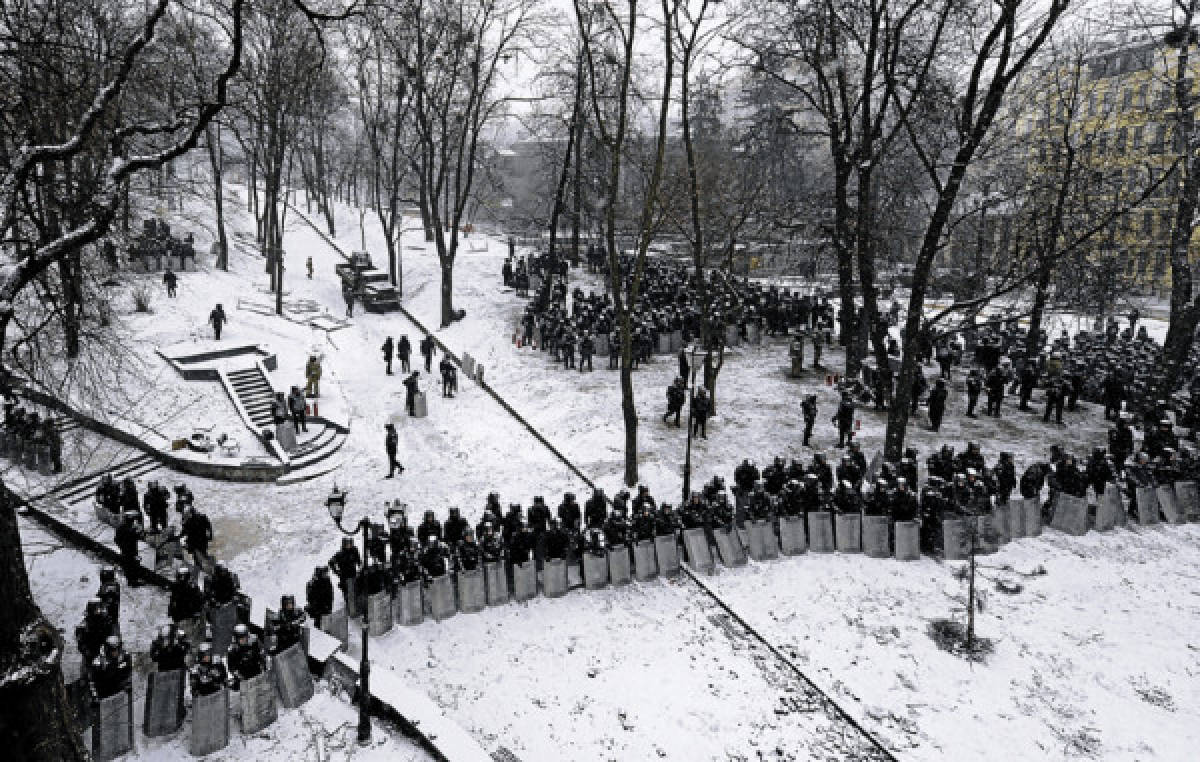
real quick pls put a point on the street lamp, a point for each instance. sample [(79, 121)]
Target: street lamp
[(336, 503), (687, 461)]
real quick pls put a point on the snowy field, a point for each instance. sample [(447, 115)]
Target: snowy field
[(1095, 659)]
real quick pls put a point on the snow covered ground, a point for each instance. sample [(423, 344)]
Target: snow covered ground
[(1093, 658)]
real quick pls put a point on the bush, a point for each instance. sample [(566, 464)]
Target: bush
[(951, 636), (142, 298)]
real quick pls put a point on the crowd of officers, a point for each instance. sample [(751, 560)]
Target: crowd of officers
[(143, 517), (1114, 367), (957, 484), (186, 643), (672, 298), (26, 433)]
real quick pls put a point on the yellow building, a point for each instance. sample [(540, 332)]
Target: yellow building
[(1125, 129)]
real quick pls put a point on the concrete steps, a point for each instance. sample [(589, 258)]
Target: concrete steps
[(255, 394)]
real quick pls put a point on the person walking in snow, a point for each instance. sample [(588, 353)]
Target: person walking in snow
[(410, 392), (309, 265), (427, 348), (218, 320), (390, 443), (449, 377), (388, 346), (171, 280), (404, 351)]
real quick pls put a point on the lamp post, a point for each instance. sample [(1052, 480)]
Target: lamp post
[(336, 503), (687, 460)]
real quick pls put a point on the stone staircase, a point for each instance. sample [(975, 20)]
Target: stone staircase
[(81, 491), (254, 393)]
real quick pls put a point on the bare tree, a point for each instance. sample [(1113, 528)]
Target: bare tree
[(118, 137), (1180, 37), (609, 35), (454, 58), (284, 58)]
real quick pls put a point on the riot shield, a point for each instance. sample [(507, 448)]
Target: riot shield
[(1016, 517), (676, 341), (379, 613), (337, 625), (956, 544), (497, 583), (164, 703), (554, 578), (112, 728), (292, 675), (210, 723), (525, 580), (1188, 498), (985, 535), (908, 541), (820, 532), (699, 554), (1169, 505), (666, 554), (408, 607), (1108, 507), (644, 564), (1070, 514), (875, 540), (731, 336), (1033, 517), (1001, 523), (729, 546), (222, 620), (441, 597), (756, 536), (595, 571), (1147, 505), (664, 344), (258, 703), (849, 532), (618, 565), (791, 535), (472, 593)]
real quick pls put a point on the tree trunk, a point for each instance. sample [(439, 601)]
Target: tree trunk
[(447, 291), (1033, 341), (1185, 311), (629, 412), (561, 187), (845, 269), (37, 722), (216, 162)]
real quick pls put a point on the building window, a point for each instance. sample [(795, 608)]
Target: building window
[(1143, 96), (1160, 137), (1138, 135)]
